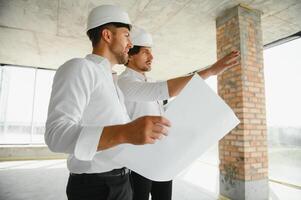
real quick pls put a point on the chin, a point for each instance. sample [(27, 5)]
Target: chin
[(148, 67), (124, 60)]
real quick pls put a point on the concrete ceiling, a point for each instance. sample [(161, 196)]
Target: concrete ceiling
[(47, 33)]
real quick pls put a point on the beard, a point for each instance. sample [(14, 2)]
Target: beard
[(121, 58), (146, 69), (148, 66), (142, 66)]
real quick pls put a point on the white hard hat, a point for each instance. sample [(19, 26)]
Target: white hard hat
[(140, 37), (105, 14)]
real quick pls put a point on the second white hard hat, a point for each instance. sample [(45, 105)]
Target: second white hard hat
[(105, 14), (140, 37)]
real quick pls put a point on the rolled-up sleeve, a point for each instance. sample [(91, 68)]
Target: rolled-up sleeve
[(143, 91), (71, 90)]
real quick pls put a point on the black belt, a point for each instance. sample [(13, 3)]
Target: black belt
[(115, 172)]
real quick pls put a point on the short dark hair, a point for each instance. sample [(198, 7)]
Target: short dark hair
[(134, 50), (94, 34)]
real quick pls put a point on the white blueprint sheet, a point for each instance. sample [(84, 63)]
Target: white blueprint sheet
[(199, 118)]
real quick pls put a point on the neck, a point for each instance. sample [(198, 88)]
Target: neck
[(104, 52)]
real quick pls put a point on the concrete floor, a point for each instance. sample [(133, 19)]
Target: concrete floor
[(35, 180)]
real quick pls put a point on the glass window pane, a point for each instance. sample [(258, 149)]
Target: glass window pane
[(17, 88), (282, 79)]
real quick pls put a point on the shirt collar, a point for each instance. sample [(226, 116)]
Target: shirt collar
[(134, 73), (100, 60)]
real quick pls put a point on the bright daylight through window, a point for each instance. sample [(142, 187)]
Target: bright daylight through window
[(24, 97)]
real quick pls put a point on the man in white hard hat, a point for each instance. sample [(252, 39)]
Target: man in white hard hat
[(139, 63), (144, 97), (87, 116)]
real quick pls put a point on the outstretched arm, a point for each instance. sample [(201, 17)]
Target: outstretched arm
[(146, 91), (177, 84)]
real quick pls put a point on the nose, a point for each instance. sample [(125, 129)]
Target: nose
[(151, 56), (130, 44)]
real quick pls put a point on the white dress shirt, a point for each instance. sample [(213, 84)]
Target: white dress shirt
[(84, 100), (143, 96)]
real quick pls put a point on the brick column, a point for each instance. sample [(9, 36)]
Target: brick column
[(243, 152)]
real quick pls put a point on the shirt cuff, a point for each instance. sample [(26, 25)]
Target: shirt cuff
[(87, 143)]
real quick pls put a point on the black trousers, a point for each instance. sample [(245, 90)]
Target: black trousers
[(93, 187), (142, 187)]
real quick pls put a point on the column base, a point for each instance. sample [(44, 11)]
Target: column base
[(248, 190)]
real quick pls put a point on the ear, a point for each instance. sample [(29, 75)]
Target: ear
[(107, 35)]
